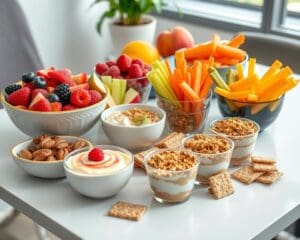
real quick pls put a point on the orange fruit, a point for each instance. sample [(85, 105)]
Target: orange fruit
[(142, 50)]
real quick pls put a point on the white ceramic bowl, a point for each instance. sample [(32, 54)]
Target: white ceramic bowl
[(100, 186), (42, 169), (133, 137), (75, 122)]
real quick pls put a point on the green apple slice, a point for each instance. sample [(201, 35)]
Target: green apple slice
[(96, 84)]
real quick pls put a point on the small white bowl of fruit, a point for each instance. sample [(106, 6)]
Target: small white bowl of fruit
[(126, 79), (54, 101)]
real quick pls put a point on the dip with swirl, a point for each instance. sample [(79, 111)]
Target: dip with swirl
[(113, 161)]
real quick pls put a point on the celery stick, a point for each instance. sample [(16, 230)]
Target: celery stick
[(107, 80), (218, 80), (115, 92), (158, 66), (122, 89), (231, 76)]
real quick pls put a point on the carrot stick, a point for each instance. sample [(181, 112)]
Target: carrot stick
[(197, 73), (186, 104), (215, 41), (240, 72), (188, 91), (229, 52), (239, 95), (251, 67), (237, 40), (205, 87), (200, 51), (276, 65), (244, 84)]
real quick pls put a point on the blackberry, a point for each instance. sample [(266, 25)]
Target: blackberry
[(63, 92), (12, 88)]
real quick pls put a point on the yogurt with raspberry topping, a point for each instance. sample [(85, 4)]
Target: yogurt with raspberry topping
[(112, 162)]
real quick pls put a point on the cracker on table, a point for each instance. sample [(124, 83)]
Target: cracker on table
[(246, 174), (264, 167), (128, 211), (171, 141), (220, 185), (269, 177), (261, 159)]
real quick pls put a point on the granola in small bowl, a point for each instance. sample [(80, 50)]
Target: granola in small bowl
[(172, 173)]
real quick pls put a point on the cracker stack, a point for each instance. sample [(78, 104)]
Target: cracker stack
[(262, 169)]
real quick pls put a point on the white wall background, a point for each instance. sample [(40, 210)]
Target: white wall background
[(65, 35)]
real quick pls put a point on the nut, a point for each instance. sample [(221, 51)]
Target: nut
[(26, 154), (61, 143), (51, 158), (47, 143), (70, 147), (32, 148), (79, 144), (61, 153), (38, 139), (41, 154)]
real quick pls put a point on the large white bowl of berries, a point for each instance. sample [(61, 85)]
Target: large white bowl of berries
[(55, 102)]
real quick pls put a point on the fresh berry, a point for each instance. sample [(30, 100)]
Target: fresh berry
[(137, 99), (51, 83), (12, 88), (80, 78), (40, 103), (135, 71), (144, 81), (84, 86), (50, 89), (95, 96), (80, 98), (138, 61), (38, 90), (146, 69), (29, 85), (63, 92), (39, 82), (44, 72), (52, 97), (124, 62), (111, 63), (56, 106), (113, 71), (135, 84), (62, 76), (28, 77), (100, 68), (20, 97), (96, 155), (69, 107)]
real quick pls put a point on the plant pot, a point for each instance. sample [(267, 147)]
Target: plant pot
[(122, 34)]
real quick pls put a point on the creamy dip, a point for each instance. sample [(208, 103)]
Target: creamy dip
[(113, 161)]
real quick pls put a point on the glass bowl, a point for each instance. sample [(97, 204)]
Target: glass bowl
[(142, 85), (263, 113), (179, 120)]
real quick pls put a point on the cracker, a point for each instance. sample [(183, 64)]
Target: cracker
[(171, 141), (220, 185), (246, 174), (264, 167), (261, 159), (269, 177), (128, 211)]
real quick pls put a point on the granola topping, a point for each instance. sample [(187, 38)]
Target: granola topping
[(207, 144), (235, 126)]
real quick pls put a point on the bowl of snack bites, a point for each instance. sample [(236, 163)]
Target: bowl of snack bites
[(54, 101), (43, 156), (126, 79)]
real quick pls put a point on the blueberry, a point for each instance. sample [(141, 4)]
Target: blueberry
[(28, 77), (39, 82), (52, 97)]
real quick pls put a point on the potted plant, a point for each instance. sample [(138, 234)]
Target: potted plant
[(129, 20)]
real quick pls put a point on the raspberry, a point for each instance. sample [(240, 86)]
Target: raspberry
[(100, 68), (20, 97), (110, 63), (124, 62), (96, 154), (80, 98), (69, 107), (95, 96), (135, 71), (138, 61), (113, 71)]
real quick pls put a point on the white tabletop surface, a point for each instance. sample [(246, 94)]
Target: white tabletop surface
[(256, 211)]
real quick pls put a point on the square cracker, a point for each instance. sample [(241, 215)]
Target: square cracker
[(260, 159), (246, 174), (128, 211), (269, 177), (220, 185), (264, 167), (171, 141)]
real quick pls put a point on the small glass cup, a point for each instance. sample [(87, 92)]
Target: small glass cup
[(171, 186), (213, 163), (185, 116)]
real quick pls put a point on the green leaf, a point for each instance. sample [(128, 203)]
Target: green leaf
[(108, 14)]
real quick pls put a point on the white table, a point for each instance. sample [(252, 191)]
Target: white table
[(253, 212)]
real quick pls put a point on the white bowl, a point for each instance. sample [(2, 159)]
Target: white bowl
[(42, 169), (133, 137), (75, 122), (100, 186)]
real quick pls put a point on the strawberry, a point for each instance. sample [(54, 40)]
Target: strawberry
[(29, 85), (56, 106), (44, 72), (51, 83), (96, 155), (111, 63), (113, 71), (38, 90), (40, 103), (135, 71), (100, 68), (68, 107), (62, 76), (95, 96), (124, 62), (138, 61), (80, 98), (20, 97), (80, 78), (84, 86)]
